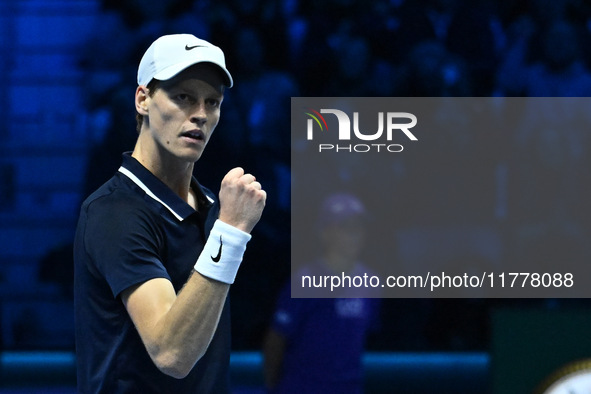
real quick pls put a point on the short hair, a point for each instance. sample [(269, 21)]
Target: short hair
[(152, 87)]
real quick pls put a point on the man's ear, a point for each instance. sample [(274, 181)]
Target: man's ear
[(141, 100)]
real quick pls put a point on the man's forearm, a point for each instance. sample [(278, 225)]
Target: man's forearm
[(177, 333), (189, 326)]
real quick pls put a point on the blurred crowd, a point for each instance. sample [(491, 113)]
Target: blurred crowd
[(277, 49)]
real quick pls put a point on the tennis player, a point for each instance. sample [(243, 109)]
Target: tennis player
[(156, 252)]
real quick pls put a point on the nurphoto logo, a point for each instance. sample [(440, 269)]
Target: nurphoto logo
[(396, 123)]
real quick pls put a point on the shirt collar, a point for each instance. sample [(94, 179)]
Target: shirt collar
[(157, 190)]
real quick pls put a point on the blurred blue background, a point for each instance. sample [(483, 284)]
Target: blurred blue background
[(67, 78)]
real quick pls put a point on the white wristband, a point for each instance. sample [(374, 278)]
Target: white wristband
[(222, 253)]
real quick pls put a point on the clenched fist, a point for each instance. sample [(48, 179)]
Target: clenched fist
[(242, 200)]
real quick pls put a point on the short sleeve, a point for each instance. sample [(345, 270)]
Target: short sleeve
[(123, 243)]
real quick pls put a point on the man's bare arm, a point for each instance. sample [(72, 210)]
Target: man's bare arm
[(176, 330)]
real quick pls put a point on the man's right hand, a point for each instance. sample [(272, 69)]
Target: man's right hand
[(242, 200)]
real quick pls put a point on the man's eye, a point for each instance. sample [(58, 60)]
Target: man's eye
[(183, 97), (213, 103)]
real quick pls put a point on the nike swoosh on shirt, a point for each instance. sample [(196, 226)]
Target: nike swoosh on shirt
[(219, 256), (188, 48)]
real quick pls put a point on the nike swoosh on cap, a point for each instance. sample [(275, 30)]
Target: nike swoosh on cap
[(188, 48), (219, 256)]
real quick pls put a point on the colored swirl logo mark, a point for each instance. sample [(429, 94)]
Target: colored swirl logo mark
[(316, 115)]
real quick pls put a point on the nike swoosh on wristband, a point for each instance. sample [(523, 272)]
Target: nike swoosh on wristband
[(219, 256), (188, 48)]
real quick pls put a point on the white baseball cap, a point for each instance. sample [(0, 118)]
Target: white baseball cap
[(171, 54)]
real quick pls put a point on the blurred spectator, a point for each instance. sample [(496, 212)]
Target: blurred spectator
[(432, 71), (315, 344), (354, 74), (467, 30), (557, 71)]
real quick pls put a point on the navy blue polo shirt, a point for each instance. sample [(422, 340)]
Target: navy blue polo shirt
[(133, 229)]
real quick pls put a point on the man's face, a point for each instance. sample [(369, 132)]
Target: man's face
[(347, 237), (184, 111)]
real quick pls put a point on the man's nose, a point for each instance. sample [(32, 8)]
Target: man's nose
[(199, 114)]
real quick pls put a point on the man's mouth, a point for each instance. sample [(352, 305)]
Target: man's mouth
[(194, 134)]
